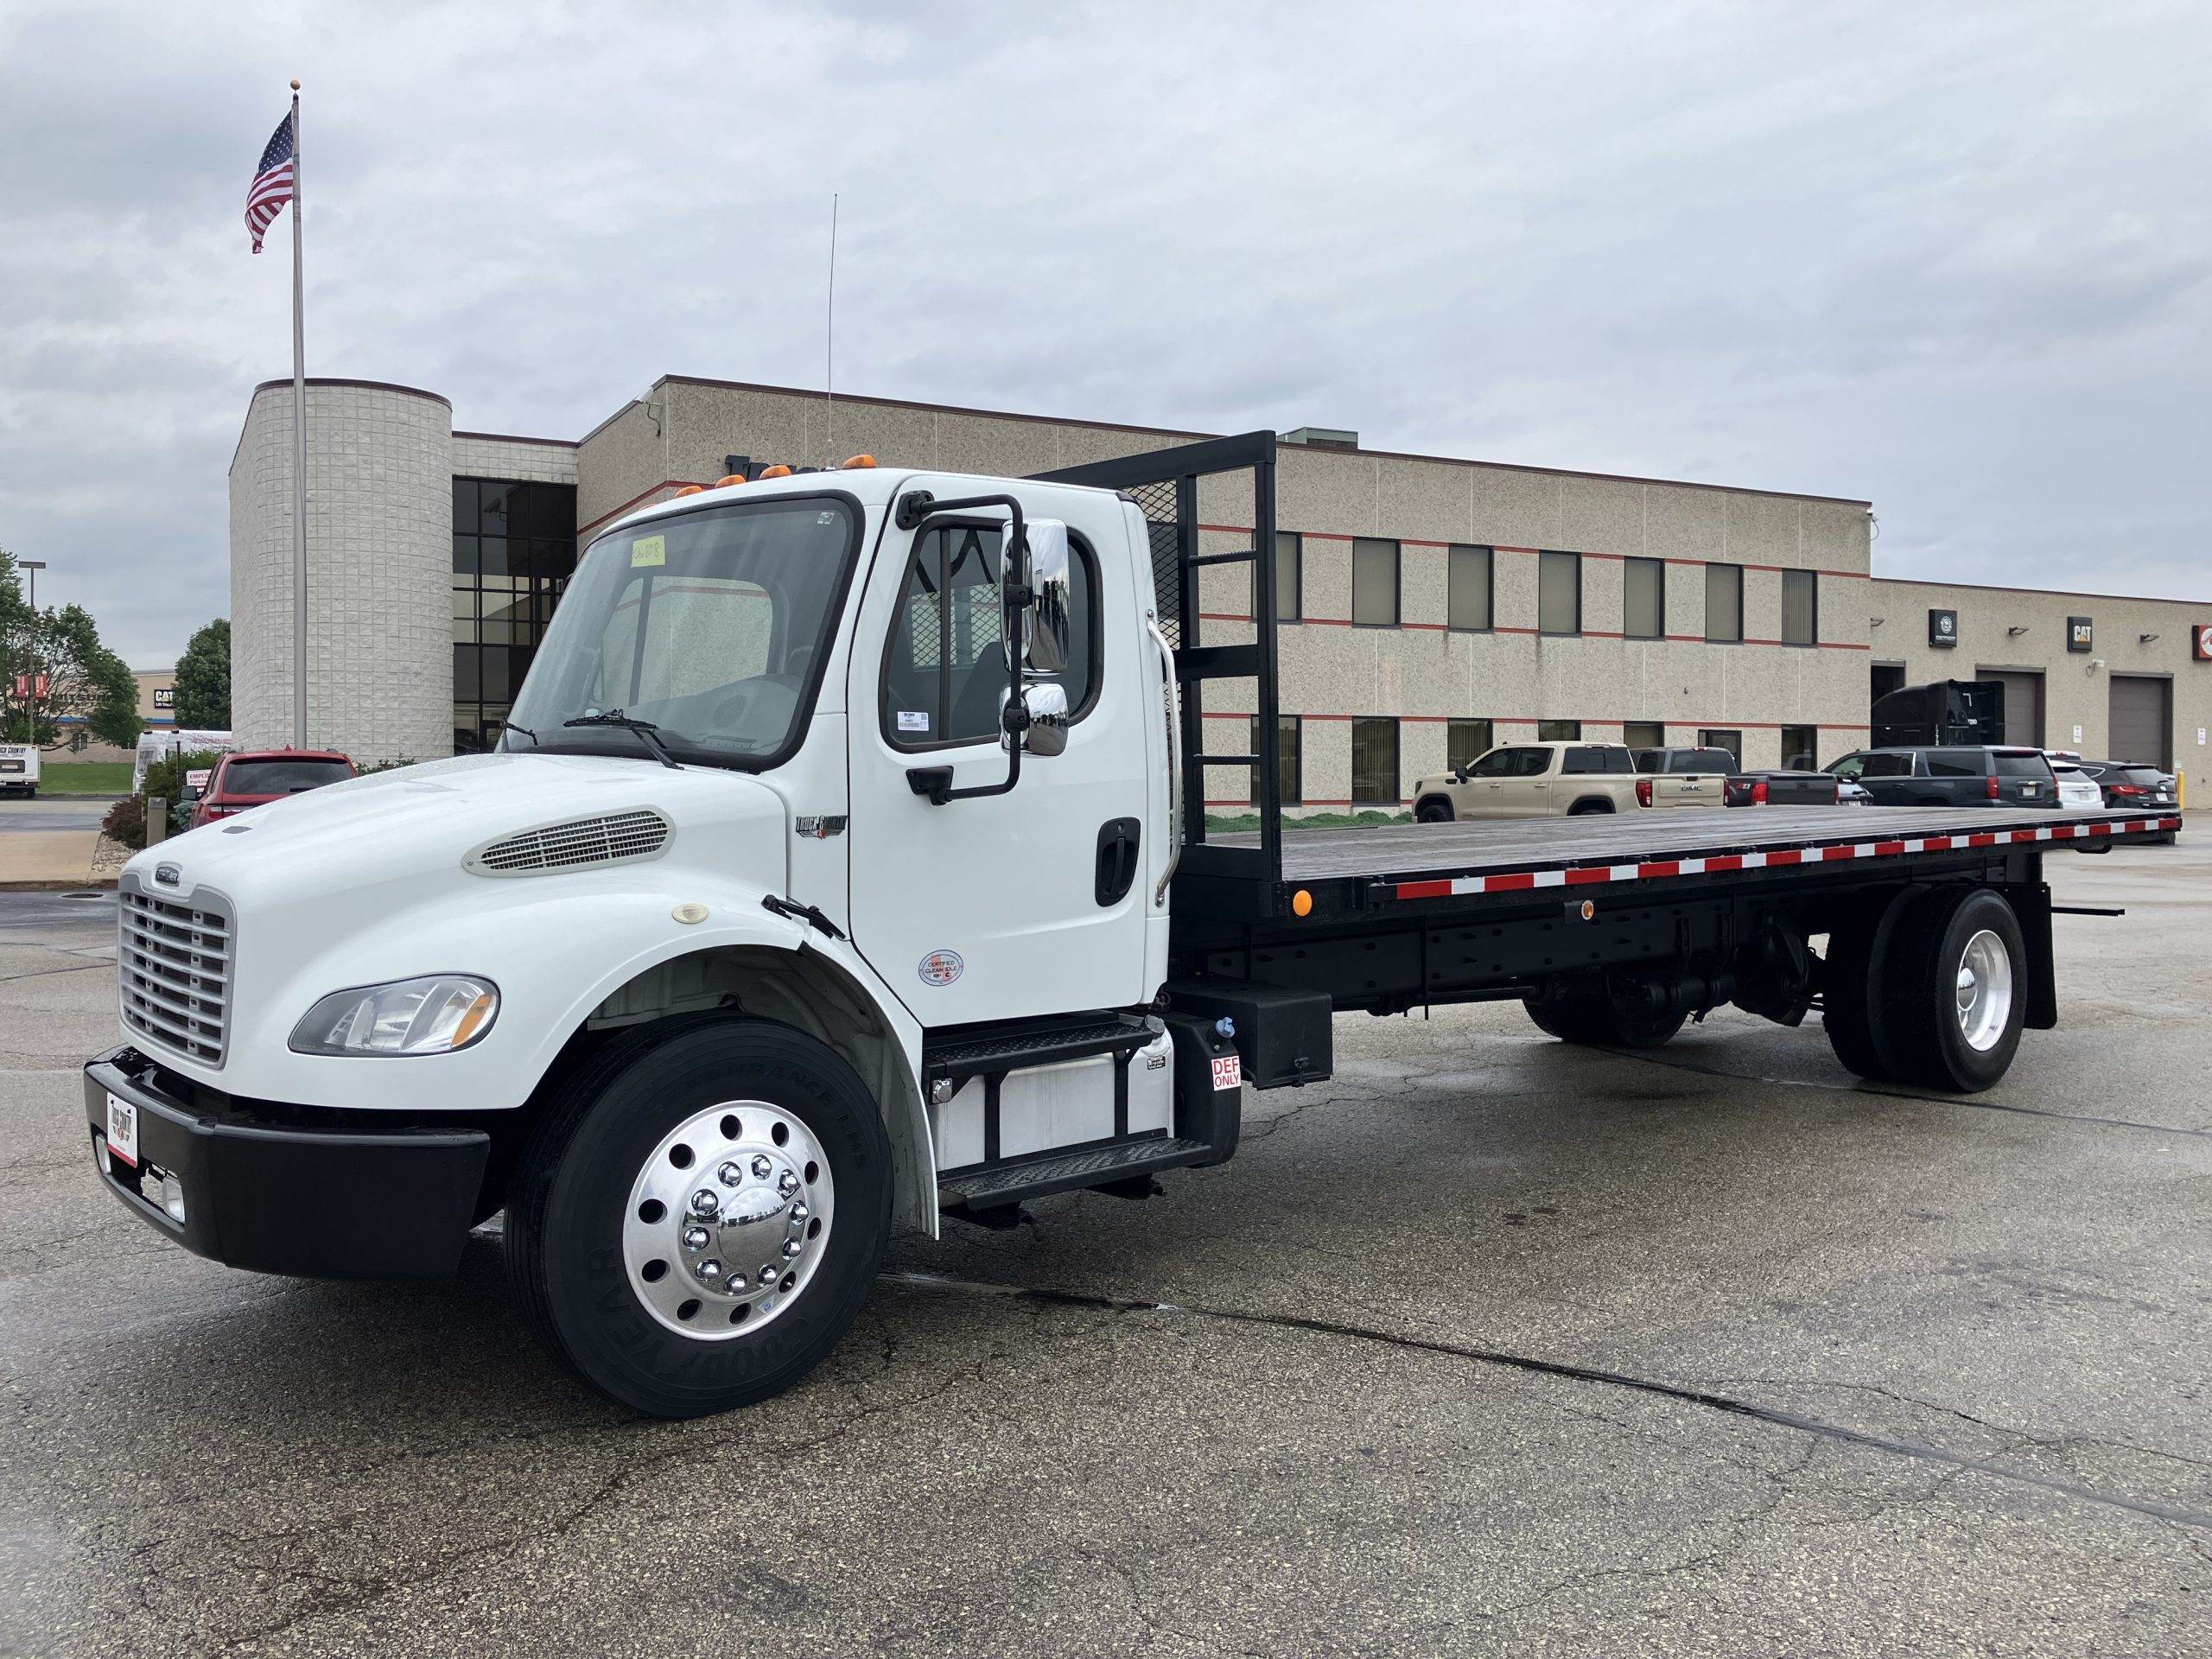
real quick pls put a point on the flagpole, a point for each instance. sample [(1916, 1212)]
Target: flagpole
[(299, 456)]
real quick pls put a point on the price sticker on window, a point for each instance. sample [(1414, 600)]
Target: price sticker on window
[(649, 550)]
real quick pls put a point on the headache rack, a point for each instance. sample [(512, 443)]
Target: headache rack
[(1205, 505)]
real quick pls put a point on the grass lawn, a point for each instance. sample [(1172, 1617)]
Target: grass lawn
[(84, 778)]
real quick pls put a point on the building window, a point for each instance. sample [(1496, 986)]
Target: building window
[(1470, 577), (514, 548), (1645, 591), (1732, 741), (1290, 562), (1558, 593), (1286, 776), (1375, 584), (1724, 603), (1374, 762), (1800, 748), (1559, 731), (1801, 609), (1645, 735), (1466, 741)]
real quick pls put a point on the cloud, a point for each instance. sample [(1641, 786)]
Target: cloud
[(1953, 260)]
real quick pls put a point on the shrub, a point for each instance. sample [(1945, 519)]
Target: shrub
[(126, 820), (165, 777)]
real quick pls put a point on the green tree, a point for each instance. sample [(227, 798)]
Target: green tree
[(203, 679), (84, 679)]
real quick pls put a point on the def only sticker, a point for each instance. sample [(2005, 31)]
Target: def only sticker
[(940, 967)]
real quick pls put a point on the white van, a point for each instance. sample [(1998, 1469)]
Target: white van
[(159, 745), (19, 769)]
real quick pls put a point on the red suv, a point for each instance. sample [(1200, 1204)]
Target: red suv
[(258, 777)]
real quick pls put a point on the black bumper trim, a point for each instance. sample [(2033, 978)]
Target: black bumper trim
[(313, 1203)]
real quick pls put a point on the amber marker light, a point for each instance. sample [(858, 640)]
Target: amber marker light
[(852, 461), (472, 1021), (778, 471), (688, 489), (1301, 903), (731, 482)]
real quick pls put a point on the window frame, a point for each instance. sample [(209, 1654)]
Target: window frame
[(1452, 552), (1397, 580), (1711, 638), (1296, 543), (1660, 726), (1542, 632), (1397, 760), (1708, 737), (1812, 581), (1081, 555), (1559, 735), (1489, 741), (1659, 626), (1295, 727)]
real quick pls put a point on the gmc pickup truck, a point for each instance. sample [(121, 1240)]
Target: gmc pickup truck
[(1545, 780), (844, 867)]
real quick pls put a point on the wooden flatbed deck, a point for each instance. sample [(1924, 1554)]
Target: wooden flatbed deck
[(1484, 846)]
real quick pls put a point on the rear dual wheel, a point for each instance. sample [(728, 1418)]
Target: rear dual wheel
[(1932, 990)]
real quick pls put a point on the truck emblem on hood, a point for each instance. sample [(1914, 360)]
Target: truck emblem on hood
[(940, 967), (169, 875)]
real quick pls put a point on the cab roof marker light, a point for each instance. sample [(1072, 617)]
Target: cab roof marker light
[(852, 461), (688, 489), (778, 471), (729, 482)]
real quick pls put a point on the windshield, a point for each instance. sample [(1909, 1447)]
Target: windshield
[(711, 624), (279, 777)]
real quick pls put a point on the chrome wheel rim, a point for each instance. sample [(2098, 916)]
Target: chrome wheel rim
[(1984, 990), (729, 1219)]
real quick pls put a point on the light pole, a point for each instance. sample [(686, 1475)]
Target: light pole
[(33, 566)]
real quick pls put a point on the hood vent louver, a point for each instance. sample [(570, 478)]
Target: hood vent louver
[(609, 838)]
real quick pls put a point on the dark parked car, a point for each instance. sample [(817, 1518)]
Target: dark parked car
[(256, 777), (2129, 784), (1739, 787), (1951, 777)]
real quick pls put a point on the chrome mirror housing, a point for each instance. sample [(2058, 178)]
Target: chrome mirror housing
[(1048, 718), (1045, 626)]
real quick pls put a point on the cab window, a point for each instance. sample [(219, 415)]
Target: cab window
[(944, 673), (1498, 763), (1530, 763)]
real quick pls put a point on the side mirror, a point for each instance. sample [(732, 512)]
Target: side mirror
[(1044, 627), (1048, 718)]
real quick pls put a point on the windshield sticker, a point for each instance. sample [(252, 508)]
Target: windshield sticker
[(940, 967), (913, 719), (649, 550)]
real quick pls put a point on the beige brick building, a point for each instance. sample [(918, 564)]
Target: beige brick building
[(1431, 606)]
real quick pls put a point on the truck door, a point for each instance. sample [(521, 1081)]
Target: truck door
[(1525, 791), (1481, 796), (1006, 905)]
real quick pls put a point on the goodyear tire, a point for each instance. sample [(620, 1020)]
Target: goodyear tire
[(696, 1144), (1852, 976)]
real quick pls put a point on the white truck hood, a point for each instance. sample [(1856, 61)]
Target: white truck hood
[(365, 881)]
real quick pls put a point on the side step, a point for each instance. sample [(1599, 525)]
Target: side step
[(985, 1051), (1062, 1171)]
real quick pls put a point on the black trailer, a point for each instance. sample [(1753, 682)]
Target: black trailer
[(1922, 935)]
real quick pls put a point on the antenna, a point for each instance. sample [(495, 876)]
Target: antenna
[(829, 347)]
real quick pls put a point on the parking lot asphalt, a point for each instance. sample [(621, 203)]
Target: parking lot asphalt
[(1489, 1345)]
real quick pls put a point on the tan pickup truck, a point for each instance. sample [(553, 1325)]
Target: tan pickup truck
[(1543, 780)]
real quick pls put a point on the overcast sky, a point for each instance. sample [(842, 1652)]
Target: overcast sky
[(1950, 258)]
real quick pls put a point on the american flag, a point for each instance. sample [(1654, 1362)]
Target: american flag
[(272, 183)]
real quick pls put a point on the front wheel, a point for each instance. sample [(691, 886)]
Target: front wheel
[(1434, 810), (700, 1216)]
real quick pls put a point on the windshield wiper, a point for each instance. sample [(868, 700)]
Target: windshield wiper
[(648, 733)]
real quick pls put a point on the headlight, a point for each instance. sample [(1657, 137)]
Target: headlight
[(435, 1016)]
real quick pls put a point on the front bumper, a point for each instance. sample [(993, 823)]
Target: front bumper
[(275, 1191)]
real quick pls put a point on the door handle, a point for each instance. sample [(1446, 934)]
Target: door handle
[(1116, 869)]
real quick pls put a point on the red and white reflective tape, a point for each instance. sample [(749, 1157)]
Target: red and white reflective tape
[(1721, 863)]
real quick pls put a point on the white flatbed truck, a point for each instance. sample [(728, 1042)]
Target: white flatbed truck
[(795, 908)]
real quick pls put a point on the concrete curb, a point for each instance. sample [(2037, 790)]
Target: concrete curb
[(105, 884)]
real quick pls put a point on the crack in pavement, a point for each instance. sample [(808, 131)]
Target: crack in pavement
[(1704, 1398), (1863, 1087)]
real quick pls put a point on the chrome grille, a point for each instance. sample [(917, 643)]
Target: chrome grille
[(173, 965), (616, 838)]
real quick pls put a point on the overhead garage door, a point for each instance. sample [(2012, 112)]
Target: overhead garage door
[(2022, 704), (2142, 719)]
